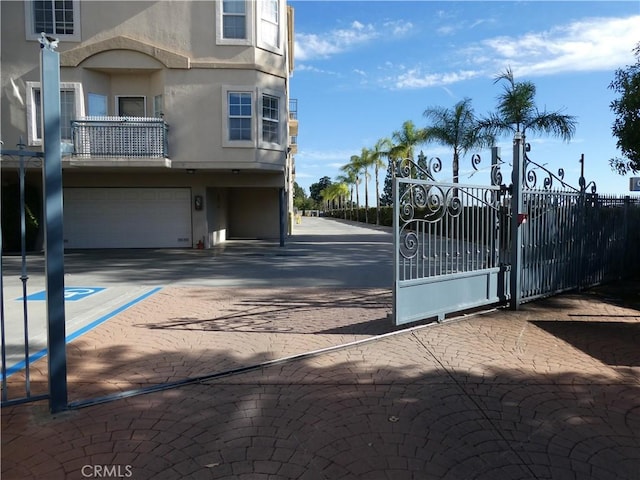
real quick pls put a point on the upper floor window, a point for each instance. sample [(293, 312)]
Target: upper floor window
[(71, 108), (158, 107), (269, 25), (270, 119), (240, 115), (234, 22), (252, 118), (97, 105), (57, 18), (234, 19), (131, 106)]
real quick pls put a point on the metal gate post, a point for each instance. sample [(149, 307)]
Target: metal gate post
[(282, 203), (516, 219), (54, 239), (395, 196)]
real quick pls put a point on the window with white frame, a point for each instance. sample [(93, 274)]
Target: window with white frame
[(58, 18), (234, 22), (270, 119), (71, 108), (131, 106), (158, 107), (240, 116), (269, 25)]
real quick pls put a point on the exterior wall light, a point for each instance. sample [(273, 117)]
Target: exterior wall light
[(197, 202)]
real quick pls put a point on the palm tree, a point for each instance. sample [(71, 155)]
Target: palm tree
[(341, 191), (329, 196), (354, 169), (406, 139), (365, 161), (350, 180), (380, 150), (517, 112), (456, 128)]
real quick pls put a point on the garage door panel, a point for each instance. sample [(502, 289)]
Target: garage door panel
[(127, 217)]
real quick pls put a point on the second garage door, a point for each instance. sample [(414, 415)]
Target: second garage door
[(127, 217)]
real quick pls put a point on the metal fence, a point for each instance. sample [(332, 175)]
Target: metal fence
[(461, 246), (576, 240), (127, 137)]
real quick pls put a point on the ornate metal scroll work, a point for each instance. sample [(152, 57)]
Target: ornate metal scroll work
[(551, 180), (422, 170)]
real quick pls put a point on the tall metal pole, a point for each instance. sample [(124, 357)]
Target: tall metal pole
[(283, 214), (23, 276), (54, 240), (516, 231)]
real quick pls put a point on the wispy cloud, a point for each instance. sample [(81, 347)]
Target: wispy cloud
[(398, 27), (418, 77), (325, 156), (304, 67), (310, 46), (586, 45)]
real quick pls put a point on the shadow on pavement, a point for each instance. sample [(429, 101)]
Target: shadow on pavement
[(350, 414), (613, 343)]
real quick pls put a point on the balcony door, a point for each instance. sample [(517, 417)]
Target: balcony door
[(131, 106)]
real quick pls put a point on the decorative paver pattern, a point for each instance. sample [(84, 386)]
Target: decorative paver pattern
[(548, 392)]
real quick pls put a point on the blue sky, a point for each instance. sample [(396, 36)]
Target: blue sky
[(363, 68)]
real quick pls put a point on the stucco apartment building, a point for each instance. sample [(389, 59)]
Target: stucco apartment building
[(177, 126)]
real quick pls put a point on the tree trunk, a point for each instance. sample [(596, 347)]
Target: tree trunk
[(357, 203), (366, 199)]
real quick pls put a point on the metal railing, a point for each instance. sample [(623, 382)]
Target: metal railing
[(126, 137), (293, 109), (576, 240)]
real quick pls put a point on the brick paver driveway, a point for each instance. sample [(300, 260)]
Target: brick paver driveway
[(552, 391)]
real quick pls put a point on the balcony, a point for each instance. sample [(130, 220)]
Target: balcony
[(119, 137), (293, 116)]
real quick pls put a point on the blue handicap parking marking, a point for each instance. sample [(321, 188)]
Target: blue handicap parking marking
[(71, 294)]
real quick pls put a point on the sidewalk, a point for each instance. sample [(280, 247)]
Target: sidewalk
[(551, 391)]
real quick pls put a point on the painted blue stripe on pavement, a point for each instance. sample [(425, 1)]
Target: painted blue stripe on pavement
[(38, 355)]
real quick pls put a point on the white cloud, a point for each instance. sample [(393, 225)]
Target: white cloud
[(324, 45), (324, 156), (416, 78), (398, 28), (309, 46), (586, 45), (446, 30), (303, 67)]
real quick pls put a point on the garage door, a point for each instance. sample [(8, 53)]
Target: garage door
[(127, 217)]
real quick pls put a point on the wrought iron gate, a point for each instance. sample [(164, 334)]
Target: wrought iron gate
[(53, 239), (573, 237), (448, 243), (454, 243), (18, 218)]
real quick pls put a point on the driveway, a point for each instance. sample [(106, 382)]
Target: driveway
[(325, 261)]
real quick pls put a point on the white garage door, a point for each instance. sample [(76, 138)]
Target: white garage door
[(127, 217)]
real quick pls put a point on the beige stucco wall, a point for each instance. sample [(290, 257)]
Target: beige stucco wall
[(163, 48)]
